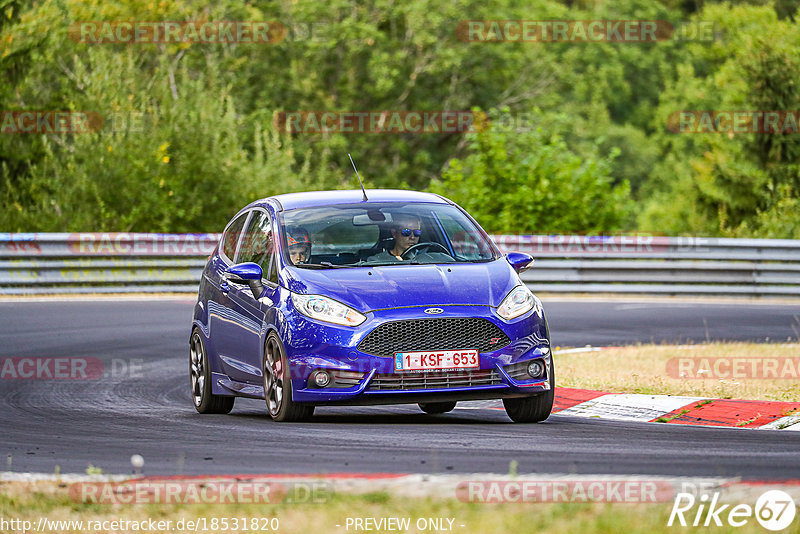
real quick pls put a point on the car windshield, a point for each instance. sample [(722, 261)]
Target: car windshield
[(373, 234)]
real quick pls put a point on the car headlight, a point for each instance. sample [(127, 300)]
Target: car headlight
[(518, 302), (325, 309)]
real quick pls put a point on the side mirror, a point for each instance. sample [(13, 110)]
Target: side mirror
[(520, 261), (247, 273)]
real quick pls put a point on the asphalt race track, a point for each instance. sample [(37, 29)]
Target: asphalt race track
[(147, 410)]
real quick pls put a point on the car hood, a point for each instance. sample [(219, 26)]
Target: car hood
[(373, 288)]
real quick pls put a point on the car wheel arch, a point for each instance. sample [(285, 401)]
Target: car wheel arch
[(205, 331)]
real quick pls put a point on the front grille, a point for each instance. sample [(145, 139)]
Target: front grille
[(346, 379), (435, 380), (445, 333)]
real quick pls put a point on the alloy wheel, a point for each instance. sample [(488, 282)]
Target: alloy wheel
[(196, 370), (273, 376)]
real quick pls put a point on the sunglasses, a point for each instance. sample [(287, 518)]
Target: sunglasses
[(406, 232)]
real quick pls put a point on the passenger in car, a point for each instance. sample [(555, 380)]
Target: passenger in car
[(299, 243)]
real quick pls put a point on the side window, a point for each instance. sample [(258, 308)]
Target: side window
[(231, 237), (465, 244), (258, 245)]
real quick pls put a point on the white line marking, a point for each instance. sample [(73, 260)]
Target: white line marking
[(629, 407), (790, 422)]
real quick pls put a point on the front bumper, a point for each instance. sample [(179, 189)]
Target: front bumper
[(319, 346)]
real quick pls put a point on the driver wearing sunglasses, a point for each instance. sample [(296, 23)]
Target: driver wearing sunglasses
[(406, 233)]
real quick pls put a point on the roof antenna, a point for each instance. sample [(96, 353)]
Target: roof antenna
[(359, 177)]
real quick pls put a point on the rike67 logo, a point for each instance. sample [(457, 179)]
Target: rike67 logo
[(774, 510)]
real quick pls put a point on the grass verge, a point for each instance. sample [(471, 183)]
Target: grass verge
[(30, 501), (647, 369)]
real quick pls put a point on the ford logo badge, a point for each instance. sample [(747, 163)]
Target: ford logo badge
[(434, 311)]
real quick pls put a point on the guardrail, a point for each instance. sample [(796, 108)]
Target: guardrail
[(660, 265), (128, 262), (103, 262)]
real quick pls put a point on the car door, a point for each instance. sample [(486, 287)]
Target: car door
[(222, 332), (257, 246)]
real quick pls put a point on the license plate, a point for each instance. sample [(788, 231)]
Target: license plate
[(435, 359)]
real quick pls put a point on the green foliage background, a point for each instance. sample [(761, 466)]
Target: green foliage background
[(192, 137)]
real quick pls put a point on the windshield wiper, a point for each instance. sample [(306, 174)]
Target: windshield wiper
[(322, 265), (388, 264)]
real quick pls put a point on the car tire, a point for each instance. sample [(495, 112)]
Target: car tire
[(533, 409), (278, 384), (437, 407), (200, 376)]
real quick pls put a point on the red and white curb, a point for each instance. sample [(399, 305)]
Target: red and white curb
[(678, 410), (670, 409)]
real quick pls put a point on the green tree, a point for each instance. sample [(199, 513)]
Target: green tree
[(728, 183), (531, 182), (173, 153)]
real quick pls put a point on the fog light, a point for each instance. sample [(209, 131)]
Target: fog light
[(536, 369), (321, 379)]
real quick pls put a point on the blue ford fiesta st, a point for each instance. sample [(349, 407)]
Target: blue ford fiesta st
[(347, 298)]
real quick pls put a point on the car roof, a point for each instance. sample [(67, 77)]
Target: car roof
[(353, 196)]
